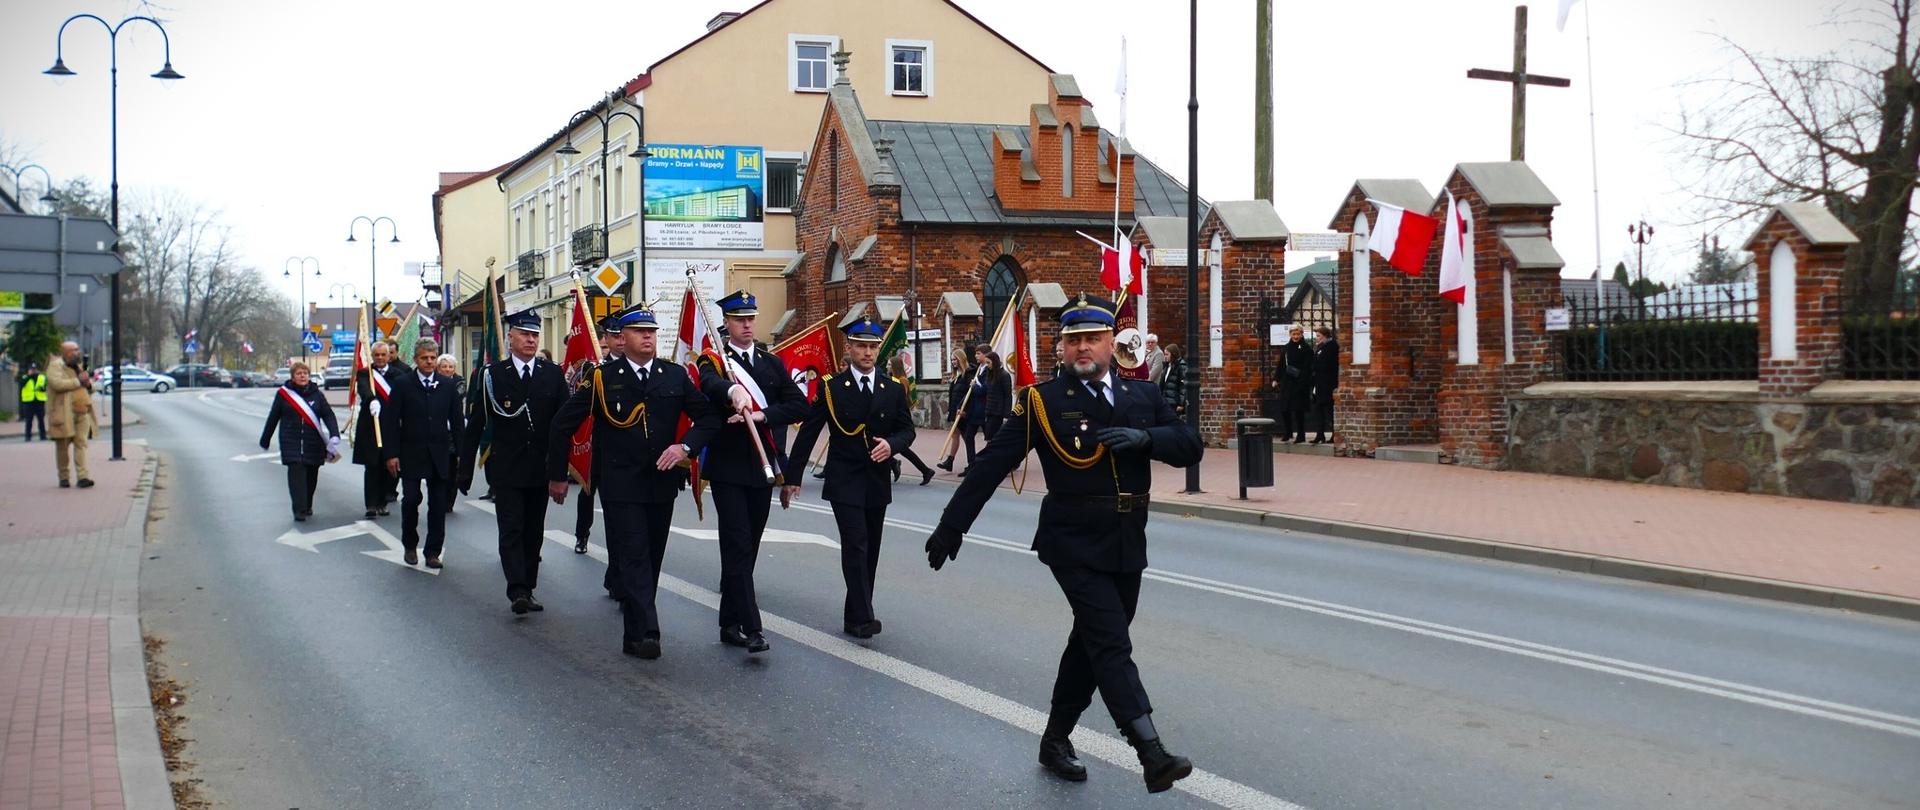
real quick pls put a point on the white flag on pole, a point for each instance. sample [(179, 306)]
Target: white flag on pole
[(1566, 8)]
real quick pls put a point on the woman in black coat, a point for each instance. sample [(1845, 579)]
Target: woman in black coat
[(1326, 378), (1173, 381), (962, 383), (303, 446), (997, 385), (1296, 386)]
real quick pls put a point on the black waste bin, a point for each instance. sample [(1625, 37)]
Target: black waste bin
[(1256, 453)]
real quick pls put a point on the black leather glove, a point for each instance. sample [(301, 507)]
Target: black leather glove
[(1125, 439), (943, 545)]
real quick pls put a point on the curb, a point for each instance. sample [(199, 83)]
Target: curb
[(143, 770), (1598, 564)]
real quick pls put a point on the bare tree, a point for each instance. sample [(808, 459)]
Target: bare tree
[(1839, 128)]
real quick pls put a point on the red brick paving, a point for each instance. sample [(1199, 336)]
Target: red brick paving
[(1833, 545)]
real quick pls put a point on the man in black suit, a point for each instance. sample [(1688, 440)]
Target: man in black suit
[(518, 397), (756, 388), (421, 422), (373, 386), (639, 466), (869, 423), (1097, 437)]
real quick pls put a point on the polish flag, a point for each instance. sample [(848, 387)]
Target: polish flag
[(1456, 252), (1117, 275), (1402, 237)]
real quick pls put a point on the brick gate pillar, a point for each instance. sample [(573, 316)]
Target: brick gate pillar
[(1800, 253), (1386, 394)]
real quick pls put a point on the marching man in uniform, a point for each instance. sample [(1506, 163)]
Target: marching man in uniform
[(636, 402), (518, 396), (868, 420), (1096, 436), (756, 387)]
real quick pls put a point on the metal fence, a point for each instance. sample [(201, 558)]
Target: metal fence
[(1880, 333), (1706, 332)]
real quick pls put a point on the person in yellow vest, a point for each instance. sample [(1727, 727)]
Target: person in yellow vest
[(33, 399), (70, 412)]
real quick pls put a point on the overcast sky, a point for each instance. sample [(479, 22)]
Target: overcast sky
[(296, 117)]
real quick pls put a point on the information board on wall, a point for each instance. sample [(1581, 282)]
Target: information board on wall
[(705, 196)]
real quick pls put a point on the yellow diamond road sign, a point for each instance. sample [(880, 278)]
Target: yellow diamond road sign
[(609, 278)]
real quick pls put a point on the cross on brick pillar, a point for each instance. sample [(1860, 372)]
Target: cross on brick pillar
[(1800, 253)]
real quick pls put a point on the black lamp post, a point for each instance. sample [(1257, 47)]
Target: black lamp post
[(47, 198), (639, 152), (300, 322), (1193, 222), (166, 72), (373, 266)]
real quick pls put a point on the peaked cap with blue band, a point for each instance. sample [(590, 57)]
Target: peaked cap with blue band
[(1087, 314), (525, 321), (864, 330), (739, 303), (636, 317)]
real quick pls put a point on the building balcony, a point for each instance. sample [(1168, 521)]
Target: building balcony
[(533, 268), (589, 245)]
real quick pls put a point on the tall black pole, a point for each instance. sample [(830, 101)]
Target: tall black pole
[(1193, 227)]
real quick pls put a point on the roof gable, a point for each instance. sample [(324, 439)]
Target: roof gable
[(1508, 183)]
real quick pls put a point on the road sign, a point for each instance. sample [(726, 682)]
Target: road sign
[(192, 346), (311, 340), (609, 278)]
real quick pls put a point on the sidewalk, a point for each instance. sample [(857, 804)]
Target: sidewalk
[(76, 727), (1852, 556)]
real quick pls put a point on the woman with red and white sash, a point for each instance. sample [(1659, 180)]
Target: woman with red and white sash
[(309, 436)]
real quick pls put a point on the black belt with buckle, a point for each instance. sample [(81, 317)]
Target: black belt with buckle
[(1119, 503)]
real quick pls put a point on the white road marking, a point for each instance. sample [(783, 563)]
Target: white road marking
[(255, 456), (224, 403), (1745, 693), (393, 553), (769, 536), (1203, 784)]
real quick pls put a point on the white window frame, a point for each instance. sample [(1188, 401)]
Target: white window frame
[(796, 158), (794, 41), (925, 46)]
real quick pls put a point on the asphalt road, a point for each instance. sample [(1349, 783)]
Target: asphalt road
[(1296, 670)]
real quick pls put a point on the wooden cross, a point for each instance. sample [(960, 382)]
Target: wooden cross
[(1519, 78)]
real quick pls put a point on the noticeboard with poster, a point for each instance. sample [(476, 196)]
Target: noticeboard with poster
[(667, 283), (705, 196)]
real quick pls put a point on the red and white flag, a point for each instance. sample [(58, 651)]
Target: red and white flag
[(1402, 237), (1122, 275), (246, 346), (1456, 252), (695, 339), (581, 353)]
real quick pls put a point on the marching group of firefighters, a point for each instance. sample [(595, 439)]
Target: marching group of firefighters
[(1095, 435)]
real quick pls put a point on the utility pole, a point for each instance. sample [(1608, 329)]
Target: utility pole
[(1263, 100)]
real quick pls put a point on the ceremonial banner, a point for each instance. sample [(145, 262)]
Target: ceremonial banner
[(895, 343), (1020, 365), (491, 350), (809, 357), (581, 353), (695, 339)]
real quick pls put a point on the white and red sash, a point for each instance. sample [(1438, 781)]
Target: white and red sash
[(306, 411), (381, 387)]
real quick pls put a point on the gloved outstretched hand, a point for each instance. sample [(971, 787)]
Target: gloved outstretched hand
[(943, 545), (1125, 439)]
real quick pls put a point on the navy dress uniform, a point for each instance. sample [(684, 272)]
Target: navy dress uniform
[(421, 423), (517, 398), (636, 407), (857, 409), (1096, 440), (742, 495)]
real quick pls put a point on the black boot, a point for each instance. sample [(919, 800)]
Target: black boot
[(1056, 751), (1161, 769)]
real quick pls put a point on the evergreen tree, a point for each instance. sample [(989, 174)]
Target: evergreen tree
[(1620, 274), (35, 337)]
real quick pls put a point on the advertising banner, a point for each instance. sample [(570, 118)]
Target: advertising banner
[(705, 196)]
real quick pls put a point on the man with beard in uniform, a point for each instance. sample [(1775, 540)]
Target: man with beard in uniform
[(636, 402), (518, 396), (1096, 436), (869, 422), (756, 388), (374, 386)]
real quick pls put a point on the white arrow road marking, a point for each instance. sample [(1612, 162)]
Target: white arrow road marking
[(255, 456), (769, 536), (393, 553), (1204, 785)]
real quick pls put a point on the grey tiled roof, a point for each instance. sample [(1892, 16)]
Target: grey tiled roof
[(946, 176)]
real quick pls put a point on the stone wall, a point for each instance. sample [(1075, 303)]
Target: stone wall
[(1842, 442)]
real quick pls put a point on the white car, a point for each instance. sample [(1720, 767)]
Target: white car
[(137, 378)]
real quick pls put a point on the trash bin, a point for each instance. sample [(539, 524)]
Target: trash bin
[(1256, 453)]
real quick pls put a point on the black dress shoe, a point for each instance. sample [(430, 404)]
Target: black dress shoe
[(383, 511), (926, 478), (521, 605), (647, 648), (1057, 756), (534, 604), (66, 485), (857, 630), (896, 470), (946, 465), (579, 545), (372, 513), (732, 637), (86, 482), (433, 562), (1159, 767), (412, 557), (873, 627), (757, 643), (299, 517), (1318, 440)]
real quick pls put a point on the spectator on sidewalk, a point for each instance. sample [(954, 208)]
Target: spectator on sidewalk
[(1326, 378), (70, 412), (1155, 359), (1173, 382), (961, 405), (1295, 376), (33, 399), (996, 387), (309, 435)]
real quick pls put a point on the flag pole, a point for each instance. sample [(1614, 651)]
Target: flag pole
[(1593, 152), (759, 449)]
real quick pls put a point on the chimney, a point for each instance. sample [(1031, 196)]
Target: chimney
[(721, 19)]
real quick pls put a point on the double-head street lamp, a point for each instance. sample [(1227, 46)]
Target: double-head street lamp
[(47, 198), (639, 153), (373, 245), (300, 322), (166, 72)]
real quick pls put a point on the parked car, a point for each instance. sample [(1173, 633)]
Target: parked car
[(136, 379), (253, 379), (282, 374), (201, 375), (339, 371)]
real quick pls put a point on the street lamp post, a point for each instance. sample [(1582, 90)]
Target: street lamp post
[(1193, 222), (300, 322), (639, 152), (166, 72), (46, 198), (373, 244)]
